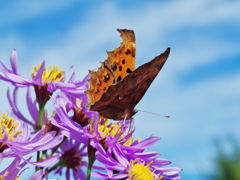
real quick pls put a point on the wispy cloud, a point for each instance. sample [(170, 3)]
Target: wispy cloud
[(21, 11)]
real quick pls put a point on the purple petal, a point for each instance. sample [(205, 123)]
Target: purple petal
[(36, 136), (160, 162), (20, 81), (83, 148), (170, 171), (104, 159), (75, 135), (15, 162), (72, 78), (105, 176), (53, 86), (3, 68), (14, 61), (54, 142), (26, 133), (13, 104), (109, 162), (68, 174), (37, 175), (120, 156), (147, 156), (99, 167), (79, 174), (44, 163), (32, 106), (5, 79), (38, 78), (64, 117), (36, 140), (147, 143)]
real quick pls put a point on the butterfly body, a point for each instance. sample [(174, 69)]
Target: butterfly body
[(119, 97)]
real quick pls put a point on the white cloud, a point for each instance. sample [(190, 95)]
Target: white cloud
[(198, 113), (151, 23), (21, 11)]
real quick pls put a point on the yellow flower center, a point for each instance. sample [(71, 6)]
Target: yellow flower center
[(107, 129), (138, 171), (52, 74), (18, 178), (9, 125), (78, 103), (2, 177)]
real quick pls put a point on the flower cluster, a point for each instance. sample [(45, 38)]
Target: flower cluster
[(71, 140)]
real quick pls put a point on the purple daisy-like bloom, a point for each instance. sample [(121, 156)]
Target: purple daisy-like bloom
[(18, 80), (45, 81), (120, 153), (134, 169), (15, 137), (74, 156)]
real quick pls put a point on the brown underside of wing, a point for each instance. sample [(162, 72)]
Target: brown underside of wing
[(120, 99)]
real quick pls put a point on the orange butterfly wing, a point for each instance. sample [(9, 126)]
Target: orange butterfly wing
[(120, 62)]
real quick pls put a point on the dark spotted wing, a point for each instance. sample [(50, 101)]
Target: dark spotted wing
[(119, 100)]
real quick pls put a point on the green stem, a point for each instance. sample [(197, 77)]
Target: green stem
[(41, 106), (38, 157), (91, 159), (44, 155), (90, 164), (56, 148)]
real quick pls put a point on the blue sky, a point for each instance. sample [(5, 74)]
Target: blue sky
[(199, 86)]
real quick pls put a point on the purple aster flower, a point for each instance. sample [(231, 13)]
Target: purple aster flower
[(15, 137), (44, 80), (121, 154), (134, 169), (73, 159)]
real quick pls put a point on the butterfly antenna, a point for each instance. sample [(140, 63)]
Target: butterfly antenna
[(153, 113), (131, 126), (125, 118)]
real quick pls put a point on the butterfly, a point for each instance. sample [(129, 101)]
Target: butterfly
[(117, 87)]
